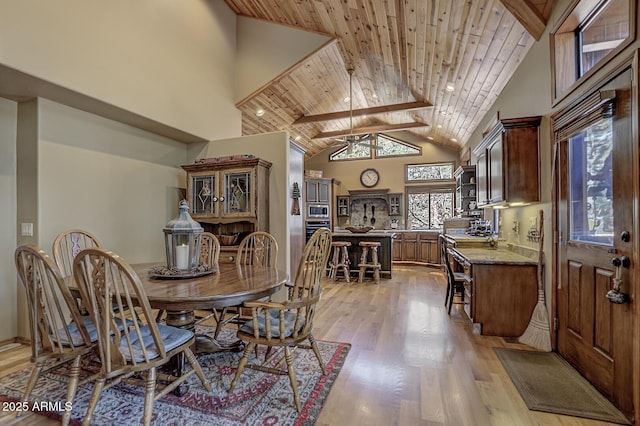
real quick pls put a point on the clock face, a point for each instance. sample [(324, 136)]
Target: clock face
[(369, 178)]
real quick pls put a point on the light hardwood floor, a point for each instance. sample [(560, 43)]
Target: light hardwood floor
[(410, 363)]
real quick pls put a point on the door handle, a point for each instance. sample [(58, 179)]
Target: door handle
[(615, 295), (623, 261)]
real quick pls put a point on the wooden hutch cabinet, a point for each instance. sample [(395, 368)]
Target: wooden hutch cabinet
[(229, 196), (508, 166)]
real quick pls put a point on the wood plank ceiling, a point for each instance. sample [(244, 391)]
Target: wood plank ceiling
[(402, 51)]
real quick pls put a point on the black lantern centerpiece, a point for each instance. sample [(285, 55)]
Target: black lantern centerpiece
[(182, 240)]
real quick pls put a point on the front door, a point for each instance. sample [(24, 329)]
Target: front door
[(596, 177)]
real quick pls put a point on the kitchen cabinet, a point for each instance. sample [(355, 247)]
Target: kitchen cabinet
[(318, 190), (429, 251), (397, 248), (466, 205), (508, 163), (229, 195), (418, 247), (343, 209), (395, 204)]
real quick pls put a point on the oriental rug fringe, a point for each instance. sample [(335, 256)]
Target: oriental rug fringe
[(259, 398)]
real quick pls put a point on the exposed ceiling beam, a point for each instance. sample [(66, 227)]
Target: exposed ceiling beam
[(527, 15), (364, 111), (370, 129)]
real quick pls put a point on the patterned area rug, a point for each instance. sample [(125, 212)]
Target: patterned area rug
[(259, 398)]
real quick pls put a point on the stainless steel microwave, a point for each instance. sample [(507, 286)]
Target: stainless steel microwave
[(318, 210)]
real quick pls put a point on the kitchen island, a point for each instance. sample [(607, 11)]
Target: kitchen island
[(385, 251), (502, 290)]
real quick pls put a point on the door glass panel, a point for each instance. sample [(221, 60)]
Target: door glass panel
[(203, 191), (591, 189), (237, 193)]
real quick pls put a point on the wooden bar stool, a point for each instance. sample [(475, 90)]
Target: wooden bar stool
[(339, 260), (364, 265)]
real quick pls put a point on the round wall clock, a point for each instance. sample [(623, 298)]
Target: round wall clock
[(369, 178)]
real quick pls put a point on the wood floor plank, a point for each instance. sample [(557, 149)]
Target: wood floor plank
[(410, 363)]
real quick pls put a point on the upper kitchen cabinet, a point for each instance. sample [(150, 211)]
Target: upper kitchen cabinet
[(466, 204), (318, 190), (229, 190), (508, 163)]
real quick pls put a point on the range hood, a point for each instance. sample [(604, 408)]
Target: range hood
[(368, 194)]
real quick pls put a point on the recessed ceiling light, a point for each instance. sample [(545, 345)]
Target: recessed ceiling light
[(450, 87), (443, 113), (439, 126), (430, 138), (375, 96), (454, 140), (260, 112), (297, 138), (346, 99)]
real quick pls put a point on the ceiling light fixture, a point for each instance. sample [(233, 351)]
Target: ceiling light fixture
[(450, 87), (351, 139), (260, 112)]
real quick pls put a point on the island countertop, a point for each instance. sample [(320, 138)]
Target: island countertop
[(490, 256), (373, 233)]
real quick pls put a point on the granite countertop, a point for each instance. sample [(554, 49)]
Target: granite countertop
[(491, 256), (372, 233)]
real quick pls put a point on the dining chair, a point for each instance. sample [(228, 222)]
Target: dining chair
[(66, 246), (108, 283), (455, 280), (290, 323), (210, 255), (59, 333), (258, 247)]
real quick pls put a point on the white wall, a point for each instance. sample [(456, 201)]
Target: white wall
[(8, 281), (170, 61), (120, 183)]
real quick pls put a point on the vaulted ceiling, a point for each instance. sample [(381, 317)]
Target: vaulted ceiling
[(405, 54)]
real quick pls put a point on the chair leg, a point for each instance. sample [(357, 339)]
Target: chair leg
[(316, 351), (446, 295), (148, 396), (95, 396), (451, 294), (197, 368), (241, 365), (71, 389), (35, 373), (292, 376)]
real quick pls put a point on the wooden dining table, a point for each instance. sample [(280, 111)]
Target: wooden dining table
[(227, 285)]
